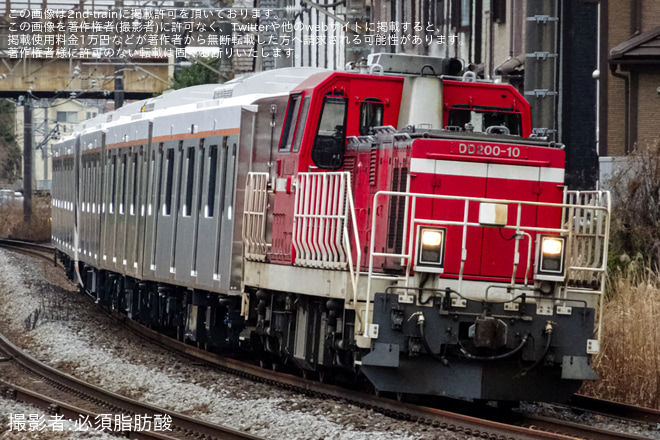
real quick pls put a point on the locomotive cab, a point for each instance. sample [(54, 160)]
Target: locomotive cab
[(322, 113), (450, 241), (329, 107)]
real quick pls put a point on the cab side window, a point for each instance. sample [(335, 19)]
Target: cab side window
[(479, 118), (371, 115), (290, 123), (301, 125), (330, 139)]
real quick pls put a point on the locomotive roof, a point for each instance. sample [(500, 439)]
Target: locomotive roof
[(322, 76)]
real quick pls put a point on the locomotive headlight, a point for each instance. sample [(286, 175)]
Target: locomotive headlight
[(552, 246), (431, 238), (431, 249), (550, 261)]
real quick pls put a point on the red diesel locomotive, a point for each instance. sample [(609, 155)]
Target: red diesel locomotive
[(402, 224)]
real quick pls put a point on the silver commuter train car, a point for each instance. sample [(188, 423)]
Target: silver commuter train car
[(159, 185)]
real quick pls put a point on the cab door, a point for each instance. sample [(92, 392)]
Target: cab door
[(287, 170)]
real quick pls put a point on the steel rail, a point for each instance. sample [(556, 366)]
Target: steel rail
[(69, 412), (123, 404), (499, 427), (572, 429), (617, 410), (44, 251)]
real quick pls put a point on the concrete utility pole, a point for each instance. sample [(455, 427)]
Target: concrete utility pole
[(119, 85), (119, 69), (27, 158), (541, 65)]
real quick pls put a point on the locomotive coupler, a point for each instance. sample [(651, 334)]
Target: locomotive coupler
[(445, 304), (396, 319), (521, 308), (488, 332)]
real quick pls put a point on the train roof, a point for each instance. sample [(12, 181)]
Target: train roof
[(271, 82)]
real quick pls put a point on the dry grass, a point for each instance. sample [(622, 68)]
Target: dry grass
[(629, 360), (12, 224)]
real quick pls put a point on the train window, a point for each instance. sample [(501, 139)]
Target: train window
[(223, 170), (167, 205), (232, 167), (123, 184), (88, 190), (201, 177), (213, 170), (152, 171), (371, 115), (180, 180), (328, 150), (301, 125), (482, 117), (134, 185), (289, 125), (83, 178), (187, 206), (97, 185), (111, 208), (156, 195)]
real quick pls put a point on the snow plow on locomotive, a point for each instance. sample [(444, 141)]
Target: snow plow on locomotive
[(401, 223)]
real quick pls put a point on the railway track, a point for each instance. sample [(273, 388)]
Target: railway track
[(620, 411), (492, 425), (43, 251), (91, 403)]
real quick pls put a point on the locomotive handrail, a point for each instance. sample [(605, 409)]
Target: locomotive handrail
[(254, 216), (320, 214), (323, 208), (599, 196), (355, 274), (569, 212)]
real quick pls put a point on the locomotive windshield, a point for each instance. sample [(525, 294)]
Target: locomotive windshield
[(328, 150), (482, 117)]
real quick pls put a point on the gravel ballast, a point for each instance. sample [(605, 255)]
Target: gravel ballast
[(80, 340), (43, 313)]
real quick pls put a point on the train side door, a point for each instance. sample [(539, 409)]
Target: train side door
[(187, 209)]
